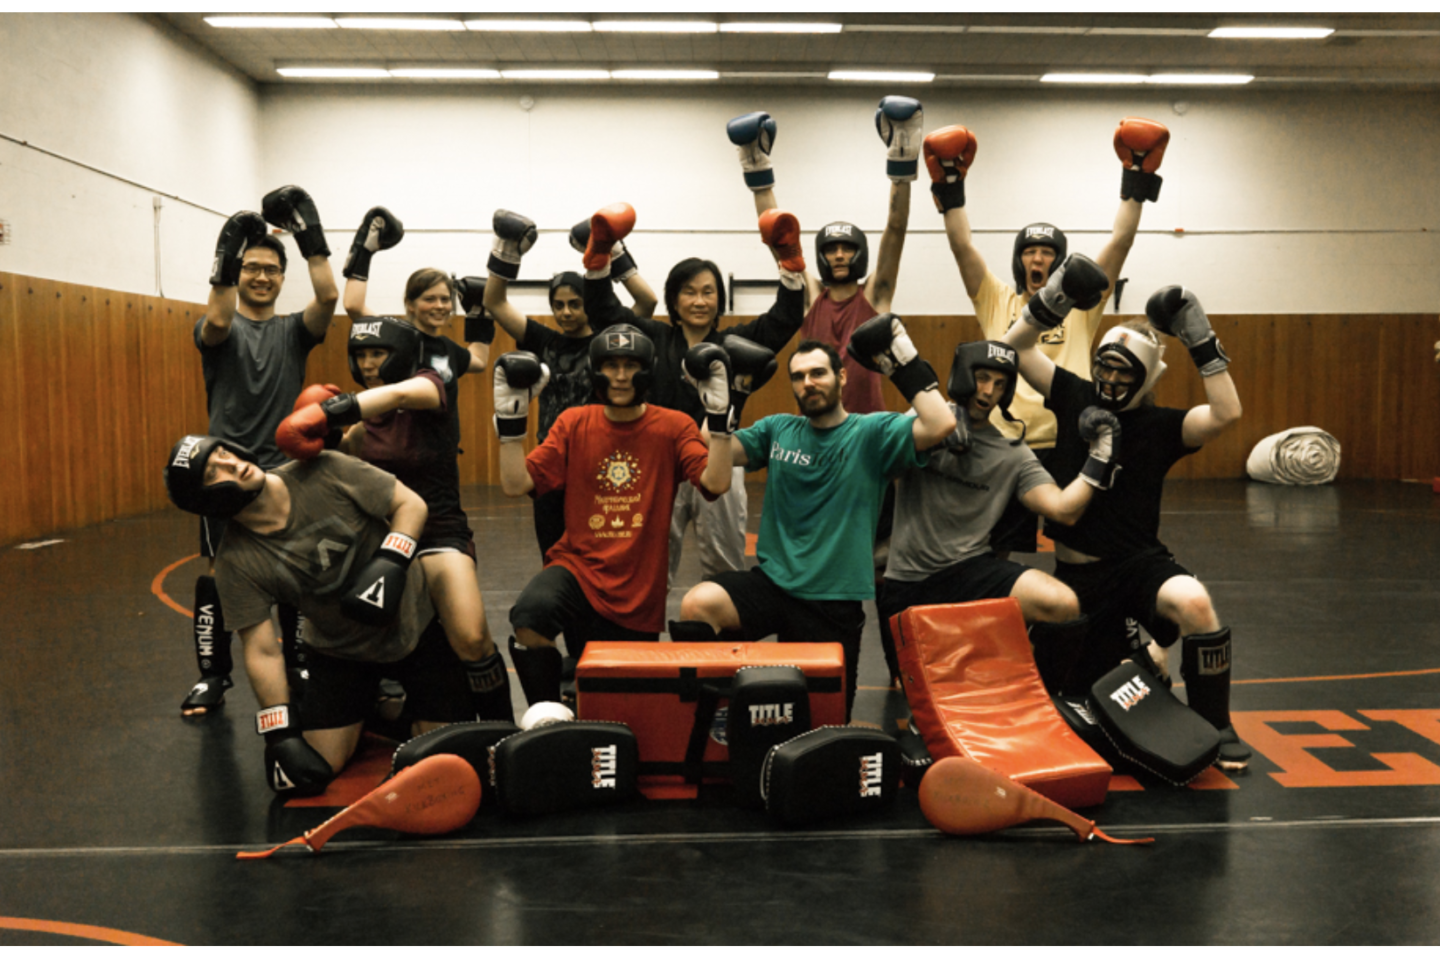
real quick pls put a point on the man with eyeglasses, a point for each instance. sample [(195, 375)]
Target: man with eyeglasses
[(254, 368)]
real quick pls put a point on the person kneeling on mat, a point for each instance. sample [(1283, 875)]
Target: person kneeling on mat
[(940, 550), (1112, 557), (620, 461), (334, 537)]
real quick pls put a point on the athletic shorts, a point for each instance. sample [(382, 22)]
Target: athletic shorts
[(552, 603), (765, 609), (985, 577), (549, 519), (1112, 591), (1015, 531), (447, 534), (342, 692)]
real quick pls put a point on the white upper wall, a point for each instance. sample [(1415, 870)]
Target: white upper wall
[(1288, 202), (121, 94)]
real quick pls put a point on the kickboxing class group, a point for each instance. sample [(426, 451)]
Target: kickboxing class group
[(340, 554)]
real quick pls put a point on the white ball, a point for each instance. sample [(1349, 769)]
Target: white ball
[(545, 713)]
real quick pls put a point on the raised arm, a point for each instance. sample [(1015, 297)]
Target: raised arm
[(901, 124), (1177, 312), (292, 209), (754, 137), (1140, 145), (379, 230), (883, 345), (238, 234), (949, 152), (519, 379)]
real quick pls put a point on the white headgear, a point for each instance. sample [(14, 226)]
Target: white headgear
[(1132, 351)]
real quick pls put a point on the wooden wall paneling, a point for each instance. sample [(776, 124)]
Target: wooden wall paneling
[(131, 430), (108, 456), (15, 475), (114, 389), (1416, 383), (91, 494), (42, 347), (156, 439)]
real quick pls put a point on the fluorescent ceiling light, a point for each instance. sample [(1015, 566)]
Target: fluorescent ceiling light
[(780, 28), (273, 23), (655, 26), (665, 74), (555, 74), (1200, 78), (1271, 33), (336, 73), (1094, 78), (882, 76), (531, 26), (445, 73), (397, 23)]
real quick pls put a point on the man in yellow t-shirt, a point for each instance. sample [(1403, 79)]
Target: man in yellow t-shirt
[(1038, 248)]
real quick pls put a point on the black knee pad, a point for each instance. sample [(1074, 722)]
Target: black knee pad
[(692, 631)]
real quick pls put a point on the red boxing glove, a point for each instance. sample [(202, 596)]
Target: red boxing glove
[(608, 225), (948, 154), (301, 436), (316, 393), (781, 232), (1140, 143)]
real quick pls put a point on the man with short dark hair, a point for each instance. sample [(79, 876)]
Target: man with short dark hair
[(254, 368)]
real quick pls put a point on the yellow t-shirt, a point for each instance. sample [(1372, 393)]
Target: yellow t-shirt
[(997, 307)]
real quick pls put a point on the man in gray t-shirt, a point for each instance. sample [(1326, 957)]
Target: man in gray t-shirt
[(940, 546), (254, 367), (334, 537)]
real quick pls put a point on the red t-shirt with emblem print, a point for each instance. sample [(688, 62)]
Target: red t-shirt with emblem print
[(619, 481)]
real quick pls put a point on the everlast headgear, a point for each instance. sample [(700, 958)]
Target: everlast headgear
[(985, 355), (185, 479), (842, 232), (1036, 235), (1127, 350), (622, 340), (385, 333)]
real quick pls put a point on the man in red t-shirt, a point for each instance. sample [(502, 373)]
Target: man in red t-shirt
[(843, 297), (619, 461)]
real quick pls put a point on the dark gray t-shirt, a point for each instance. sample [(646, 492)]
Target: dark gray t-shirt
[(944, 511), (252, 378), (338, 507), (569, 361)]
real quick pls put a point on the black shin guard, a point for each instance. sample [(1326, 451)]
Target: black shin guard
[(538, 669), (1058, 649), (692, 631), (1205, 666), (212, 640), (292, 644), (490, 688)]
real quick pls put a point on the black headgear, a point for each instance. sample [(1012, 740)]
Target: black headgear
[(385, 333), (567, 279), (622, 340), (986, 355), (185, 478), (1036, 235), (842, 232)]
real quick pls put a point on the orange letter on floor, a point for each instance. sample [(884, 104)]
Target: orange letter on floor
[(1303, 770)]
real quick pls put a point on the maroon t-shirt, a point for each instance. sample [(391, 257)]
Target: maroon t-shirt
[(832, 321)]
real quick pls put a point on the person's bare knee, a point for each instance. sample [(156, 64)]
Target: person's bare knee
[(531, 640), (1043, 599), (710, 603)]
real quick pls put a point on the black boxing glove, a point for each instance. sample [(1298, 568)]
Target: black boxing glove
[(292, 766), (239, 234), (1077, 284), (374, 595), (479, 325), (751, 367), (706, 367), (519, 378), (290, 208), (881, 344), (1101, 429), (379, 230), (1176, 311), (514, 236)]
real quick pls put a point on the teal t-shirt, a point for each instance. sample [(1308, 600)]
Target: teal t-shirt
[(822, 498)]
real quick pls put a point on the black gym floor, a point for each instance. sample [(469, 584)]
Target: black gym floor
[(119, 822)]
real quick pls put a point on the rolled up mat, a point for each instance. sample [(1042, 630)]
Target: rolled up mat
[(1300, 456)]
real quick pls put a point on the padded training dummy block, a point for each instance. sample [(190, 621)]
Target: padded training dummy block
[(975, 692), (655, 689)]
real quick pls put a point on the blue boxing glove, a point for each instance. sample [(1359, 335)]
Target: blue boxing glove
[(900, 121), (754, 137)]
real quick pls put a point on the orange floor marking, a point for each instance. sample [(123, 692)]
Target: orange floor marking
[(157, 586), (1121, 783), (84, 931), (1213, 779), (750, 541)]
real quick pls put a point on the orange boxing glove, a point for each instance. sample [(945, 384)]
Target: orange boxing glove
[(1140, 145), (315, 393), (948, 154), (781, 232), (608, 226)]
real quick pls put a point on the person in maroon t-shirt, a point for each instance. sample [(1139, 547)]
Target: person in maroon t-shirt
[(844, 297), (620, 461)]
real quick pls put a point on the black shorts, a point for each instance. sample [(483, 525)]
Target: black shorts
[(450, 532), (765, 609), (341, 692), (549, 519), (212, 531), (1015, 531), (985, 577), (552, 603), (1113, 591)]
